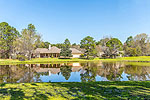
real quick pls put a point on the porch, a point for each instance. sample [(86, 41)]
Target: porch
[(49, 55)]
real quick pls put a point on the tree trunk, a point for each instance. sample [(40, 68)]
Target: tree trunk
[(87, 56)]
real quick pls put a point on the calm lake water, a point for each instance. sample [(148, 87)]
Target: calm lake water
[(73, 72)]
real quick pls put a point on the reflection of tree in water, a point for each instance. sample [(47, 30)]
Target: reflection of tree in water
[(66, 71), (37, 77), (90, 72), (112, 71), (137, 72), (15, 73)]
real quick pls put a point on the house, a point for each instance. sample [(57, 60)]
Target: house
[(47, 53), (75, 53), (53, 52)]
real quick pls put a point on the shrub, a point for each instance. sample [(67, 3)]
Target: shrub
[(52, 56), (82, 55), (90, 58), (21, 57), (64, 58)]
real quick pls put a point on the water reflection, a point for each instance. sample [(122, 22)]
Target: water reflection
[(73, 72)]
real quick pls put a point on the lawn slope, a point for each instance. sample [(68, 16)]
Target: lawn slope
[(76, 91)]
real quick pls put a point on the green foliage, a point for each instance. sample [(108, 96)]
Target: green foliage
[(58, 45), (103, 41), (8, 34), (91, 58), (82, 55), (74, 44), (114, 46), (139, 51), (43, 45), (65, 50), (141, 42), (88, 43), (129, 41), (21, 57)]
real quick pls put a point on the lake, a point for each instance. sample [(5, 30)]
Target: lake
[(73, 72)]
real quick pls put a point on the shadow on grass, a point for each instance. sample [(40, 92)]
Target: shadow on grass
[(18, 94), (76, 91), (108, 90)]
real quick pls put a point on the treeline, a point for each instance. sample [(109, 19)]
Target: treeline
[(15, 44)]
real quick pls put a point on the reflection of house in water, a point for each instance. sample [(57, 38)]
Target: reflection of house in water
[(76, 67), (55, 68), (87, 71), (49, 70), (47, 65)]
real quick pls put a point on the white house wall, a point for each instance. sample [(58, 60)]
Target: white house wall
[(76, 55)]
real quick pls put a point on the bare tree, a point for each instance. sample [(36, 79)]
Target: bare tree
[(26, 44)]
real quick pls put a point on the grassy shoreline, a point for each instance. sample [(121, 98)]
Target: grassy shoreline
[(115, 90), (56, 60)]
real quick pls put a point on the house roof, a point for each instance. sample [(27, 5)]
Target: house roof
[(45, 50), (75, 51), (42, 50), (55, 50)]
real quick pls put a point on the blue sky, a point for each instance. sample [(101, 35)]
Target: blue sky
[(57, 20)]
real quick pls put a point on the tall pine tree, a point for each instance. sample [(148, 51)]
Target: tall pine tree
[(65, 50), (8, 34)]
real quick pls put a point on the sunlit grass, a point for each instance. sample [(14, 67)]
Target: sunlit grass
[(56, 60), (76, 90)]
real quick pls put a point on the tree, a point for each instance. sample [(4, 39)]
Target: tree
[(27, 42), (43, 45), (88, 43), (58, 45), (141, 42), (46, 44), (103, 41), (129, 41), (114, 45), (65, 50), (101, 46), (74, 44), (39, 43), (8, 34), (131, 51), (128, 47)]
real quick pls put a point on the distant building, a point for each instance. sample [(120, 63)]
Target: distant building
[(53, 52)]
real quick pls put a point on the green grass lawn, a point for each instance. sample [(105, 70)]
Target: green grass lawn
[(43, 60), (75, 90), (56, 60)]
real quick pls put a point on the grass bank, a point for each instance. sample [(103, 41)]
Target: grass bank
[(56, 60), (75, 91), (44, 60)]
